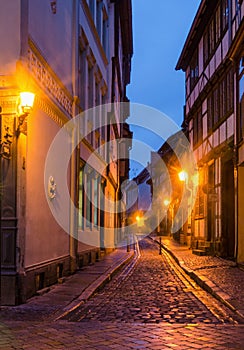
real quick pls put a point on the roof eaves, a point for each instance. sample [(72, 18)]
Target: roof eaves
[(181, 64)]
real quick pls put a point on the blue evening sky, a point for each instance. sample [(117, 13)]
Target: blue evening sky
[(160, 28)]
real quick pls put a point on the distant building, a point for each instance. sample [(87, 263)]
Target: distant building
[(157, 193), (143, 181), (212, 59), (168, 190), (73, 55)]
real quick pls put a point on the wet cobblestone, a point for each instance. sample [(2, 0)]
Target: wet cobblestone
[(23, 329), (153, 293), (94, 335), (223, 273)]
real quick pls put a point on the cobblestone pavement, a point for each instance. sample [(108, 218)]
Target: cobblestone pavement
[(223, 273), (155, 291), (50, 305), (151, 305), (115, 335)]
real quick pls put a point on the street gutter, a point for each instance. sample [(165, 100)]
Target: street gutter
[(204, 282), (98, 283)]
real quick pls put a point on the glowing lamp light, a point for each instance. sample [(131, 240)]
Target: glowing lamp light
[(166, 202), (140, 221), (183, 176), (196, 179), (26, 102)]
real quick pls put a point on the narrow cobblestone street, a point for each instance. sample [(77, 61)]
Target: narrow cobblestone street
[(155, 291), (150, 304)]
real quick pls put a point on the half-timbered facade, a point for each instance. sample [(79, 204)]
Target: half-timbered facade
[(212, 118)]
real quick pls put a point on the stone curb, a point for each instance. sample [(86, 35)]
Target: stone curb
[(204, 282), (95, 286)]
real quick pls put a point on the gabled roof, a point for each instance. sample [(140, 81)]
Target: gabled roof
[(143, 176), (198, 26)]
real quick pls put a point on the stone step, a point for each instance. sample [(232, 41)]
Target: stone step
[(199, 252)]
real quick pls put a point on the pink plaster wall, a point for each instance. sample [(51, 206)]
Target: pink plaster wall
[(45, 240), (54, 39), (9, 35)]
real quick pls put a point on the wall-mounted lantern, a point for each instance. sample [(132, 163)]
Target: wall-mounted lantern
[(24, 107), (26, 102), (183, 176)]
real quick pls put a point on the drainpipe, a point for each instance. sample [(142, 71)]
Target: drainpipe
[(74, 156)]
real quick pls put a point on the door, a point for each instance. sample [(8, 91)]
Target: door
[(210, 208), (228, 209)]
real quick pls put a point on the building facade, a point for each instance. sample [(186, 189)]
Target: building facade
[(212, 59), (171, 189), (167, 187), (72, 55)]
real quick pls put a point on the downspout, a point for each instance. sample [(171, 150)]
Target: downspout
[(74, 164)]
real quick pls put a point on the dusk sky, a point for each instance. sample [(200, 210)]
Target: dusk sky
[(159, 33)]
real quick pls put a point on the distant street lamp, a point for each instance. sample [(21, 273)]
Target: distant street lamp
[(190, 185), (183, 176), (166, 202), (138, 218), (140, 221)]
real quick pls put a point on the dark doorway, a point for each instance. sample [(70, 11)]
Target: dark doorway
[(210, 208), (228, 209)]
